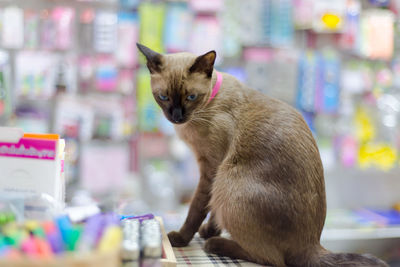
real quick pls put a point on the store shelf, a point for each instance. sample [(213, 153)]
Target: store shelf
[(360, 233)]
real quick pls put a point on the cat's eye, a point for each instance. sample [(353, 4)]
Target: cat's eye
[(191, 97), (163, 97)]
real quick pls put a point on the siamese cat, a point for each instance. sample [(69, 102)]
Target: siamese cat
[(261, 176)]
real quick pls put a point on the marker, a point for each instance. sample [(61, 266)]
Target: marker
[(16, 237), (140, 218), (73, 237), (91, 233), (35, 228), (6, 217), (111, 239), (70, 234), (28, 246), (42, 247), (53, 236), (64, 225), (3, 245)]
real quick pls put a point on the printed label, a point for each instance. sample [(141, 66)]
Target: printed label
[(30, 148)]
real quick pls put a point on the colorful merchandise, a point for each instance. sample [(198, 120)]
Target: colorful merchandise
[(106, 73), (31, 29), (280, 23), (376, 34), (329, 16), (46, 240), (86, 30), (206, 28), (348, 39), (307, 81), (151, 26), (105, 31), (303, 13), (148, 110), (206, 6), (327, 88), (5, 80), (63, 18), (128, 35), (177, 27)]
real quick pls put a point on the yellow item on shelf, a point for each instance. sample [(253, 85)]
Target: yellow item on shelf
[(112, 239), (331, 21), (381, 155), (365, 130)]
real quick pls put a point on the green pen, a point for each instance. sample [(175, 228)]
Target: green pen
[(35, 228), (72, 237), (15, 238), (6, 217), (38, 231)]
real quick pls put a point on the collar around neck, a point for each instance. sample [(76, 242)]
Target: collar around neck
[(216, 87)]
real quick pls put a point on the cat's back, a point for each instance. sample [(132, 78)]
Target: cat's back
[(269, 129), (254, 109)]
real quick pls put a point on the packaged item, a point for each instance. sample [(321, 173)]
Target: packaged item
[(32, 163), (376, 34), (31, 29), (281, 31), (106, 75), (12, 27), (151, 26), (85, 30), (303, 13), (177, 27), (128, 35), (206, 27), (63, 18), (105, 31), (329, 16)]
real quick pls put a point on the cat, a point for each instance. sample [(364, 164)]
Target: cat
[(261, 176)]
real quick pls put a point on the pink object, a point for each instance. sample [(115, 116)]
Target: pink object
[(257, 54), (63, 18), (104, 168), (29, 247), (30, 148), (216, 86), (349, 151), (207, 6)]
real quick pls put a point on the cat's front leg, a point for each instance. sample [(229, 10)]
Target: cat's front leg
[(210, 228), (197, 213)]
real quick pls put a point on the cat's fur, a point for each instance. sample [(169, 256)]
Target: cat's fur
[(261, 173)]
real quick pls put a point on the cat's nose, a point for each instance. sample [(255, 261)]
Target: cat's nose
[(177, 115)]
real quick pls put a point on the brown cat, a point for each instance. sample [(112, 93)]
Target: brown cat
[(261, 173)]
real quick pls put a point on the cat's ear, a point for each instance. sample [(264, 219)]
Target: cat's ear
[(204, 63), (154, 59)]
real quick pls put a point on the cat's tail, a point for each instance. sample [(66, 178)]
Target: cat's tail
[(326, 258), (350, 259)]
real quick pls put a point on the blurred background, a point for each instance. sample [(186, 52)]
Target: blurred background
[(72, 67)]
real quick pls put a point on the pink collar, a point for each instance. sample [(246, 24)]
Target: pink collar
[(216, 86)]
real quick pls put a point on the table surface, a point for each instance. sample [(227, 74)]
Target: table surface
[(194, 255)]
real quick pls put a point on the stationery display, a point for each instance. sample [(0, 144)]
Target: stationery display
[(105, 238), (32, 163)]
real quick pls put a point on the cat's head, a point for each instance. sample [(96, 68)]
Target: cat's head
[(181, 83)]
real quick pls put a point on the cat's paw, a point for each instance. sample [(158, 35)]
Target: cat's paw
[(214, 245), (177, 239), (206, 231)]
